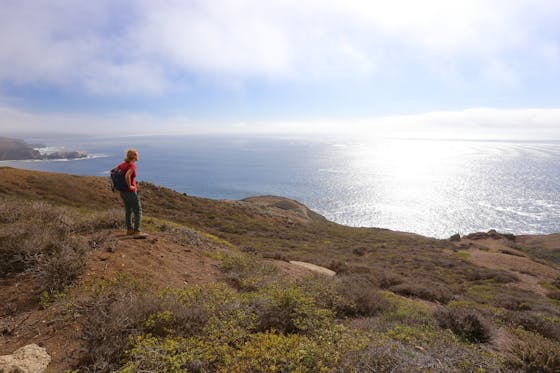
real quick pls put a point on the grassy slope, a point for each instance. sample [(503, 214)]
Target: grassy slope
[(436, 265), (414, 266)]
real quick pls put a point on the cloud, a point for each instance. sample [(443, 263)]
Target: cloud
[(19, 122), (141, 47), (472, 124), (476, 123)]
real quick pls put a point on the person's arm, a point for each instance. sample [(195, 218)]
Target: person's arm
[(128, 178)]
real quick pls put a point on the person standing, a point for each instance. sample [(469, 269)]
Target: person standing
[(130, 196)]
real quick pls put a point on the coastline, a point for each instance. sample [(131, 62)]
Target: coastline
[(286, 203)]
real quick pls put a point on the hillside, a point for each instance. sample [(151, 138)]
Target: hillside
[(213, 287), (12, 149), (16, 149)]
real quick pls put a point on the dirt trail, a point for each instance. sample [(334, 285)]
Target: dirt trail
[(166, 263), (157, 258)]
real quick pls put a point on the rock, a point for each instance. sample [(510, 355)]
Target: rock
[(490, 234), (508, 236), (314, 268), (455, 238), (28, 359)]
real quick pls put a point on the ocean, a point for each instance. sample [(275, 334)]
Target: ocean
[(431, 187)]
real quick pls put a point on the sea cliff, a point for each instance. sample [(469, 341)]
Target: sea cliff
[(16, 149)]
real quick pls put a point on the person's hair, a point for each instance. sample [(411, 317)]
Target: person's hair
[(131, 154)]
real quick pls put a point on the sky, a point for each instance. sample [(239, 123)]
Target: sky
[(434, 68)]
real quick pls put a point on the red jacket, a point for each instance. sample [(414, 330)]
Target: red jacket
[(124, 167)]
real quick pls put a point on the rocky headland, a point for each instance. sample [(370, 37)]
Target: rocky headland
[(16, 149)]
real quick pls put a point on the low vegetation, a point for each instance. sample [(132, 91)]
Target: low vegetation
[(533, 353), (398, 302), (468, 324), (39, 238)]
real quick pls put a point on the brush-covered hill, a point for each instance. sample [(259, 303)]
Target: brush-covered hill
[(215, 287), (16, 149)]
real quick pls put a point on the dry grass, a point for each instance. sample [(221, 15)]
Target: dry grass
[(38, 238), (397, 356), (99, 220), (533, 353)]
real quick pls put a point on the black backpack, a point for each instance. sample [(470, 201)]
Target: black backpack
[(117, 180)]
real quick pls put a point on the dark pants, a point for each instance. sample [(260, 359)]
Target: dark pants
[(132, 205)]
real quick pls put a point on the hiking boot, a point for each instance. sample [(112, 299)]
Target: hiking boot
[(139, 235), (129, 232)]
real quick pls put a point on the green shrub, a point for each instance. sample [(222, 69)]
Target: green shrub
[(246, 273), (273, 352), (289, 309), (172, 318), (258, 352), (358, 297), (466, 323), (150, 354), (347, 296), (323, 289), (406, 311)]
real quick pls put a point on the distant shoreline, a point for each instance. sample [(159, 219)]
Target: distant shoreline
[(19, 150)]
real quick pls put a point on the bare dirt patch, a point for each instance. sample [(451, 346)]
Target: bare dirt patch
[(297, 270), (166, 263), (314, 268)]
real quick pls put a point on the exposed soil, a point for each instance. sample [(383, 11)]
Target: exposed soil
[(156, 259), (149, 257), (314, 268), (296, 270)]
